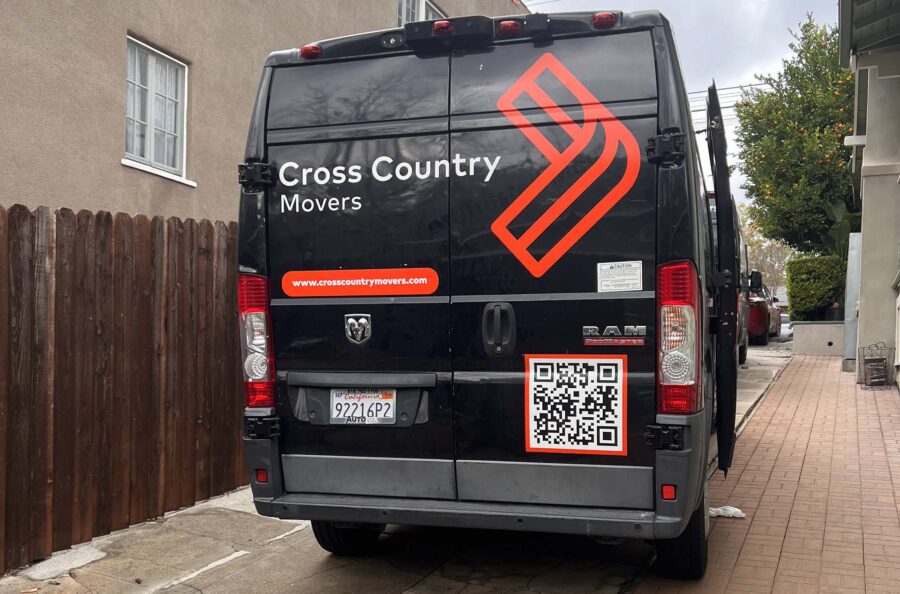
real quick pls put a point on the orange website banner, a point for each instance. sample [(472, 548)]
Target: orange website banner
[(351, 283)]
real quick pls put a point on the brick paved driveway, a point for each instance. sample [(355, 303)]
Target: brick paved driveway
[(817, 470)]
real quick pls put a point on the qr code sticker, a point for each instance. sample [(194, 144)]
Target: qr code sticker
[(576, 404)]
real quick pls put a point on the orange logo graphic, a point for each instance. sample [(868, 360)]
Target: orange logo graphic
[(594, 113)]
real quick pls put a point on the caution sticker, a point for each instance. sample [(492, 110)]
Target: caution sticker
[(619, 276)]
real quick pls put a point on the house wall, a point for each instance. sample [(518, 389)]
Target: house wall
[(63, 92), (878, 315)]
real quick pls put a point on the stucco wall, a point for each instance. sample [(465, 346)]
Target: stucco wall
[(62, 98), (880, 212)]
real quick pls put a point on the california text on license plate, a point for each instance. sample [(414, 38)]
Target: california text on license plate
[(363, 406)]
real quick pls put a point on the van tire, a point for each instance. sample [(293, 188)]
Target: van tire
[(354, 540), (684, 557), (742, 351), (764, 337)]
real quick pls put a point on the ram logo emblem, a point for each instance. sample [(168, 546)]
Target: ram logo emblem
[(358, 327)]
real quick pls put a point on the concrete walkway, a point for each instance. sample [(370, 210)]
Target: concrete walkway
[(762, 366), (817, 470)]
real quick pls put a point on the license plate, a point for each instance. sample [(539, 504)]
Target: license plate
[(362, 406)]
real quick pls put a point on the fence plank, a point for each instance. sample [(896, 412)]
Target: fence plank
[(64, 372), (4, 378), (84, 344), (121, 397), (144, 419), (174, 336), (205, 353), (41, 414), (217, 466), (18, 503), (188, 365), (158, 296), (103, 366), (232, 368)]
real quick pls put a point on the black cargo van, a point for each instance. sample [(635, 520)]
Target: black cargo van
[(479, 285)]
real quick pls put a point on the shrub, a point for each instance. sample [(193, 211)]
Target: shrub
[(814, 284)]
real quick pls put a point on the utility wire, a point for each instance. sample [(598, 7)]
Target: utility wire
[(739, 87), (530, 4)]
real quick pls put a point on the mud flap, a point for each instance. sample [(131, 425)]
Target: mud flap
[(726, 283)]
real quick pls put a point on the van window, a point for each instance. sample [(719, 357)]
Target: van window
[(398, 88), (618, 67)]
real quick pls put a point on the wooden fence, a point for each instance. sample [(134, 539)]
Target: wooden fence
[(120, 387)]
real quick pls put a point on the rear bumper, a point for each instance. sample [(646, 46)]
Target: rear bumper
[(684, 468), (757, 323), (462, 514)]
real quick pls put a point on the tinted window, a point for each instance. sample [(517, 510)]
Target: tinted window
[(612, 67), (395, 88)]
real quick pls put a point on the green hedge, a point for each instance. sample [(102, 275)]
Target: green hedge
[(814, 284)]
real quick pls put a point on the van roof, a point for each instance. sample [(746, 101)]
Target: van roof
[(557, 25)]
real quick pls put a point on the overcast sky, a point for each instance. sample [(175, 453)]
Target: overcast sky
[(725, 40)]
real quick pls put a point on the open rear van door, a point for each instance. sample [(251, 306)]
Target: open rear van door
[(726, 282)]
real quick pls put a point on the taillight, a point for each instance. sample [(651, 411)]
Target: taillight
[(256, 340), (604, 20), (310, 51), (678, 291)]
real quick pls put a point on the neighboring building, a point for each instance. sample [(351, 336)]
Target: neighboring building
[(870, 47), (142, 106)]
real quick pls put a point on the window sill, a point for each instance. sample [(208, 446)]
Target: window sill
[(159, 172)]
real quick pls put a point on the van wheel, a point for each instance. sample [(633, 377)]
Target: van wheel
[(347, 539), (684, 557), (742, 352), (764, 337)]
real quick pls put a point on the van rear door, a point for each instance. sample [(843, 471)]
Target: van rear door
[(358, 255), (553, 266)]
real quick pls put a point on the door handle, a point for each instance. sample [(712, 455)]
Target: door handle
[(498, 329)]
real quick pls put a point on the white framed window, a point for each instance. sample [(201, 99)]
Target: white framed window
[(409, 11), (155, 111)]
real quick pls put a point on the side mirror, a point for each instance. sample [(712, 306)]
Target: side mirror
[(756, 280), (774, 299)]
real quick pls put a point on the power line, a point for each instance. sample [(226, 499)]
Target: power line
[(723, 107), (739, 87), (530, 4)]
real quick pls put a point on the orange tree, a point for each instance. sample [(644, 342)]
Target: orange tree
[(790, 135)]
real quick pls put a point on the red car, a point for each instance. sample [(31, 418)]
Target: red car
[(765, 317)]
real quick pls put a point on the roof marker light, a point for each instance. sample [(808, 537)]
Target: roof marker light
[(442, 28), (604, 20), (310, 51), (509, 28)]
